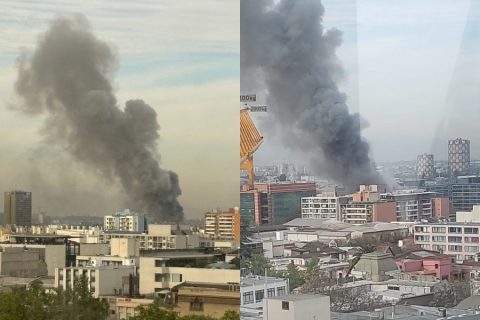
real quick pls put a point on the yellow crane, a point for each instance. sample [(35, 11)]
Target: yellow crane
[(250, 140)]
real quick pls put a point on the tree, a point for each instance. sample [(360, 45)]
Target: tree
[(295, 277), (155, 312), (35, 303), (257, 264), (449, 294), (342, 299)]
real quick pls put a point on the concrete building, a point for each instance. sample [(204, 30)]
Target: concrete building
[(253, 289), (162, 270), (412, 205), (124, 308), (296, 307), (366, 212), (223, 225), (21, 262), (159, 236), (441, 207), (273, 203), (125, 221), (18, 208), (425, 265), (469, 216), (425, 166), (102, 280), (457, 239), (375, 266), (459, 156), (323, 206), (207, 299)]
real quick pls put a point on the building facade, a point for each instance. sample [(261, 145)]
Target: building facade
[(366, 212), (460, 240), (412, 205), (324, 206), (125, 221), (223, 225), (253, 289), (18, 208), (101, 281), (425, 166), (459, 156), (164, 270), (274, 203)]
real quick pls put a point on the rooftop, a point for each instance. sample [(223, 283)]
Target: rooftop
[(259, 280)]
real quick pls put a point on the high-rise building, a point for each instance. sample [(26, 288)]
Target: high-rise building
[(223, 225), (18, 208), (274, 203), (125, 221), (459, 156), (425, 166)]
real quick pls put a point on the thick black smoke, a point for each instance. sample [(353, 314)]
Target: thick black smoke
[(68, 78), (286, 51)]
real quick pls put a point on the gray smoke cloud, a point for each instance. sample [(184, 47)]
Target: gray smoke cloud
[(286, 52), (67, 80)]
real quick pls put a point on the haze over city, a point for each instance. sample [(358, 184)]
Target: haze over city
[(410, 70), (187, 70)]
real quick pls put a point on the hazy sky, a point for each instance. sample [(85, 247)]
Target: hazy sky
[(181, 57), (412, 71)]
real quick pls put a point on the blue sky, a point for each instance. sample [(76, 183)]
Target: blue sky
[(181, 57)]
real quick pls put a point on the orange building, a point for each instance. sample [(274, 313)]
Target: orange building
[(223, 225), (440, 207)]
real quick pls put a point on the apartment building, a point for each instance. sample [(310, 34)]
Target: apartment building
[(458, 239), (254, 288), (101, 280), (125, 221), (323, 206), (366, 212), (162, 270), (223, 225), (412, 205), (158, 236)]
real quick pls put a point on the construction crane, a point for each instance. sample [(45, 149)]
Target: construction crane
[(250, 140)]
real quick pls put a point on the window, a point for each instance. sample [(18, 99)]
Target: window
[(159, 277), (248, 297), (280, 291), (176, 277), (455, 239), (471, 248), (285, 305), (439, 229), (259, 295), (455, 248), (271, 292), (438, 238), (159, 263), (436, 265), (454, 230), (196, 305), (470, 230)]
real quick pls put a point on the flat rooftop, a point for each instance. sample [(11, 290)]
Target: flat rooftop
[(298, 297), (259, 280)]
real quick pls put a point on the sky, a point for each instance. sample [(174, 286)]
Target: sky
[(412, 72), (181, 57)]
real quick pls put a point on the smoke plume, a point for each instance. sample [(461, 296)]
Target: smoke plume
[(286, 52), (67, 80)]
